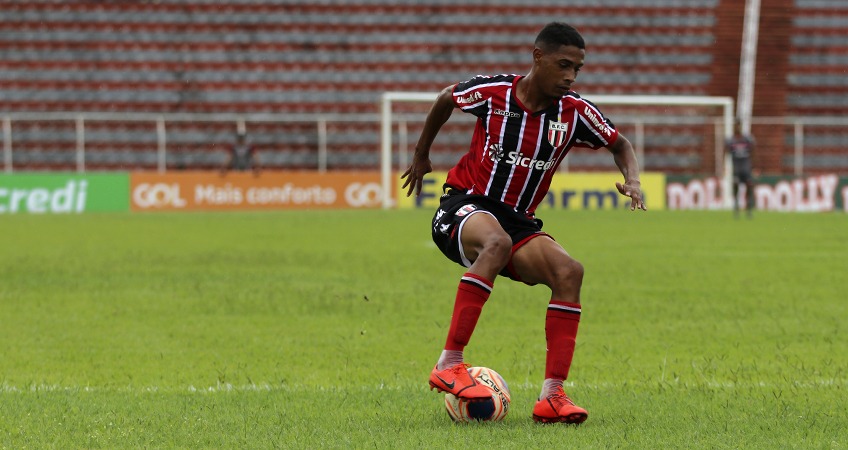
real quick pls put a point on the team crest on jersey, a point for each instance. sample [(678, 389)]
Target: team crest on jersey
[(465, 210), (557, 133)]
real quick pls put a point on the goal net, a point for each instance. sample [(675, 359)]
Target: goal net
[(670, 134)]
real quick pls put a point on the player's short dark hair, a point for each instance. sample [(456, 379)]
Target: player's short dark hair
[(557, 34)]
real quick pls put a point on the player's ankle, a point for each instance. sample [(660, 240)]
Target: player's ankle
[(550, 386), (449, 358)]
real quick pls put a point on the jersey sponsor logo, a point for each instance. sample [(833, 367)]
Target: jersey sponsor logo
[(516, 158), (501, 112), (557, 132), (470, 98), (599, 124)]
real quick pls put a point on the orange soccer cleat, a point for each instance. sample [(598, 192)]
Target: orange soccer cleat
[(557, 407), (457, 381)]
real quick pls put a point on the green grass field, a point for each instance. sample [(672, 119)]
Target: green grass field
[(316, 329)]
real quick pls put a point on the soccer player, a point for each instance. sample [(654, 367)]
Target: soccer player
[(242, 156), (486, 221), (741, 148)]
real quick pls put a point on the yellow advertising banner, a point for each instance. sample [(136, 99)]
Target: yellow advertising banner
[(569, 190), (186, 191)]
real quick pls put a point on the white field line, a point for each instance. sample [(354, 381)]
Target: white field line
[(6, 388)]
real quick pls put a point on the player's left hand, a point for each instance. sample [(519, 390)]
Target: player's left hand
[(414, 175), (634, 191)]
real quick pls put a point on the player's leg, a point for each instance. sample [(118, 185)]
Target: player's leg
[(543, 261), (485, 248), (485, 244), (736, 184), (749, 195)]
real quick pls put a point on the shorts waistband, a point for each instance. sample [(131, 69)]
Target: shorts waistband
[(450, 190)]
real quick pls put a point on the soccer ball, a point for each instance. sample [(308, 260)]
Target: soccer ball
[(491, 409)]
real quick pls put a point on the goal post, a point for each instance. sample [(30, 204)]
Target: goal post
[(724, 128), (386, 101)]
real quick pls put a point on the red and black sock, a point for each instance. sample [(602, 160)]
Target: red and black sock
[(561, 323), (471, 295)]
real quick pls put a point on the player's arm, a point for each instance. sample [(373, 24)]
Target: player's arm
[(439, 113), (625, 159)]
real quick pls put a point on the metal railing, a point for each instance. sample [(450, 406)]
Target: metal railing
[(400, 134), (799, 126), (161, 121)]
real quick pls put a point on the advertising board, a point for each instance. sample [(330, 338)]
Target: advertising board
[(187, 191), (37, 193), (572, 191), (818, 193)]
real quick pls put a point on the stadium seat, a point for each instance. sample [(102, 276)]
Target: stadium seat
[(323, 58)]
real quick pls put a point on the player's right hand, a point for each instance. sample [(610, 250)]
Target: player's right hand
[(634, 191), (414, 175)]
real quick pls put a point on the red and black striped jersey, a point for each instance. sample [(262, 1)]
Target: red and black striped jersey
[(515, 152)]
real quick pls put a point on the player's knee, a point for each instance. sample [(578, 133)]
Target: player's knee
[(569, 274), (498, 248)]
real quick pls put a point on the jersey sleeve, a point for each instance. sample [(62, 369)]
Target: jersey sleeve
[(593, 129), (472, 96)]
